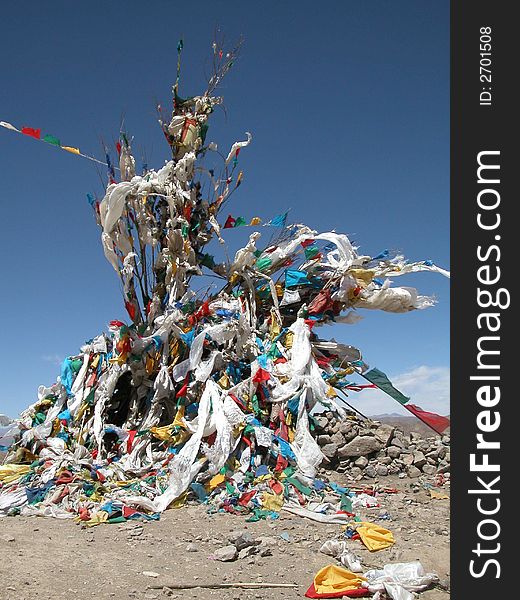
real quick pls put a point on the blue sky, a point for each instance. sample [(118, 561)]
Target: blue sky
[(348, 104)]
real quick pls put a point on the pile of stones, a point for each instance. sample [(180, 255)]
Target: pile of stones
[(366, 449)]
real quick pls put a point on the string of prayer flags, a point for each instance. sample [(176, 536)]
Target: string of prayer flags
[(278, 221), (36, 133), (436, 422)]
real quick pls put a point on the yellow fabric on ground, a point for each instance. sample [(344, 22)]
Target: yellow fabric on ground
[(272, 501), (375, 537), (333, 579)]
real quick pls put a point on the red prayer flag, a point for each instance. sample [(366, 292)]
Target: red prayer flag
[(436, 422), (116, 324), (130, 309), (128, 512), (35, 133), (246, 497), (230, 222), (130, 440), (261, 375)]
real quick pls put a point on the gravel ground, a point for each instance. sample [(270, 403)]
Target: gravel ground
[(51, 559)]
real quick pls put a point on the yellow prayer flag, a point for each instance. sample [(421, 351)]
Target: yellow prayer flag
[(71, 149), (272, 502), (215, 481)]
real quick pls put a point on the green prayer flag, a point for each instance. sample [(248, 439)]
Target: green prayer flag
[(346, 503), (311, 251), (50, 139), (380, 379), (239, 222), (263, 263)]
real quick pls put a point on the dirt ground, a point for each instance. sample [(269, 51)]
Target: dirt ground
[(51, 559)]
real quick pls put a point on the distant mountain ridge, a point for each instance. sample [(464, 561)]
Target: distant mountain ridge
[(407, 424)]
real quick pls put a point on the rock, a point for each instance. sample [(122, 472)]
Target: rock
[(356, 472), (192, 548), (323, 439), (337, 438), (226, 554), (407, 459), (393, 451), (330, 450), (246, 552), (398, 441), (386, 460), (419, 459), (370, 471), (429, 469), (385, 433), (382, 470), (150, 574), (365, 431), (441, 452), (267, 540), (264, 551), (360, 446), (352, 434), (345, 427), (361, 462), (446, 440), (321, 421), (242, 539), (413, 472)]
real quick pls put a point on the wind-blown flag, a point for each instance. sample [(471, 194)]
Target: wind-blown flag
[(239, 222), (437, 422), (71, 149), (35, 133), (50, 139), (278, 221), (383, 383), (230, 222), (8, 126)]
